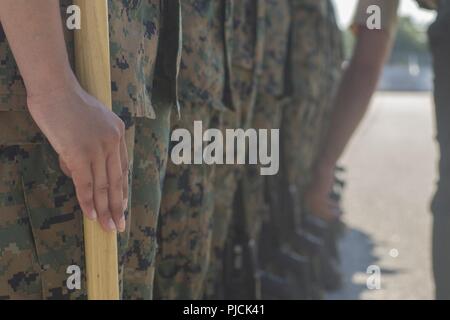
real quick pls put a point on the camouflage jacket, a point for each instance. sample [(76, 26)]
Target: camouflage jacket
[(138, 30), (311, 47), (314, 69), (248, 45), (276, 47), (206, 55)]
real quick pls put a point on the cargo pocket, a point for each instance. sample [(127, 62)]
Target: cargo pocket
[(19, 270), (56, 223)]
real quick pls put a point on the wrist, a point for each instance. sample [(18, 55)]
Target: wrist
[(322, 179), (51, 84), (324, 168)]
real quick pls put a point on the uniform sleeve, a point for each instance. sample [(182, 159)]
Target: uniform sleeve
[(388, 14)]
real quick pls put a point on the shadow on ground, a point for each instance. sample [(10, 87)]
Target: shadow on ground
[(357, 256)]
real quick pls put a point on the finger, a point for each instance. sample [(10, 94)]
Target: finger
[(332, 204), (330, 214), (323, 211), (336, 211), (335, 207), (83, 182), (115, 191), (125, 166), (101, 190), (325, 215)]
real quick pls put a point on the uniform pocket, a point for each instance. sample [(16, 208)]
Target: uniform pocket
[(55, 219), (19, 268)]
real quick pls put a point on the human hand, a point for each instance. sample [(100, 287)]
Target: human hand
[(90, 142), (317, 195)]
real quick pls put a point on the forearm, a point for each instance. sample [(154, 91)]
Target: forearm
[(354, 93), (35, 35)]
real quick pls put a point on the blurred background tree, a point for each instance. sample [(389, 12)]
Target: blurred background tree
[(411, 41), (409, 66)]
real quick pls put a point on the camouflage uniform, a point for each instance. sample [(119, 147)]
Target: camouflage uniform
[(41, 230), (188, 200), (314, 65), (247, 55), (272, 95)]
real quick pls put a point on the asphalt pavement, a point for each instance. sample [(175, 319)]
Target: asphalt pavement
[(391, 173)]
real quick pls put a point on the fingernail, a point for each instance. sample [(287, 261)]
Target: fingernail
[(122, 224), (93, 215), (125, 205), (111, 225)]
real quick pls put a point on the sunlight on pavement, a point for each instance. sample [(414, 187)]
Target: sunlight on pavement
[(391, 171)]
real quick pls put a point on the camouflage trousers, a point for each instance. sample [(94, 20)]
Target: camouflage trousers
[(149, 163), (258, 190), (185, 226), (41, 227), (226, 184), (257, 197), (229, 178), (296, 151)]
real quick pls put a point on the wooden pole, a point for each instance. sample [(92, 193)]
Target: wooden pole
[(92, 64)]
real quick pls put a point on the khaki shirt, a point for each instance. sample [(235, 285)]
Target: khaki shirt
[(388, 13), (138, 30)]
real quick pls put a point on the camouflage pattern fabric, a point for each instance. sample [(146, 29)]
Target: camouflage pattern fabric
[(185, 224), (315, 65), (144, 40), (41, 226), (41, 232), (272, 95), (247, 56), (151, 143), (12, 88), (188, 198), (135, 45), (314, 68)]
